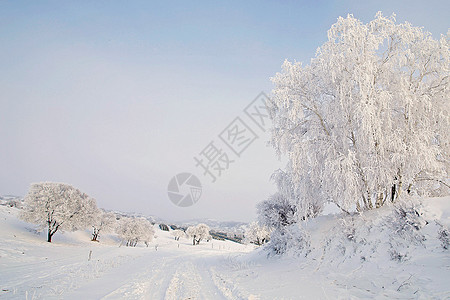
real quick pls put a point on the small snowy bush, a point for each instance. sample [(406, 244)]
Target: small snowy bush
[(15, 203), (397, 256), (444, 237), (291, 239), (348, 239), (406, 222)]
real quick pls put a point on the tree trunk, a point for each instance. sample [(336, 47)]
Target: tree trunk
[(358, 206), (393, 189), (379, 202), (369, 200), (364, 202), (49, 236), (95, 235), (399, 189)]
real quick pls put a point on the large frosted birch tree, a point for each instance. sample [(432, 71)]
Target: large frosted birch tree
[(365, 121)]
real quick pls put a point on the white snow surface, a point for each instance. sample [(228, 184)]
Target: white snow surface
[(359, 266)]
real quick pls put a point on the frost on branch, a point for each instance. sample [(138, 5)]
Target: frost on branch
[(177, 234), (257, 234), (363, 124), (367, 119), (407, 222), (290, 239), (58, 207), (444, 237), (134, 230), (289, 205), (198, 233), (104, 222)]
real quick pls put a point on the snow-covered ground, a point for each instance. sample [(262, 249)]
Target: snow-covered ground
[(31, 268), (358, 266)]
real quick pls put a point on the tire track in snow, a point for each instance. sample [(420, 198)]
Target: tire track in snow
[(143, 284), (227, 288), (185, 283), (177, 277)]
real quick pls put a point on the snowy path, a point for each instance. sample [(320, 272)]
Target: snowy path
[(118, 273), (155, 275)]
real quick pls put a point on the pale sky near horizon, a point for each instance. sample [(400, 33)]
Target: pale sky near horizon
[(117, 97)]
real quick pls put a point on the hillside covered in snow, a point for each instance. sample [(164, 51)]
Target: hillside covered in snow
[(371, 258)]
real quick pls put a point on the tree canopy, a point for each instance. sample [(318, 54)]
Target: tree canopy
[(365, 121), (58, 206)]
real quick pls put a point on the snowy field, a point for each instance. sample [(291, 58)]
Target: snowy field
[(72, 267)]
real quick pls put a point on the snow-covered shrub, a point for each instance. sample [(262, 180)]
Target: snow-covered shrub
[(444, 237), (348, 228), (17, 203), (291, 239), (397, 256), (277, 211), (348, 239), (287, 206), (406, 221)]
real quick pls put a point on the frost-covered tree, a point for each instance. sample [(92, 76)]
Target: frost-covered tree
[(288, 205), (104, 222), (58, 207), (198, 233), (133, 230), (365, 121), (148, 232), (177, 233), (257, 234)]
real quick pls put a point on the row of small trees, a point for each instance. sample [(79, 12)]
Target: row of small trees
[(61, 207), (256, 234)]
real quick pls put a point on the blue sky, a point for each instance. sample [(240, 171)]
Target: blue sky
[(117, 97)]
